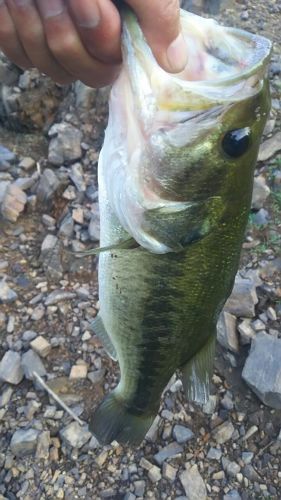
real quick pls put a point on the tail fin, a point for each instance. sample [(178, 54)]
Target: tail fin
[(112, 421)]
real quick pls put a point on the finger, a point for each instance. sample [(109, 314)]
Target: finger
[(9, 41), (30, 31), (160, 21), (65, 45), (99, 26)]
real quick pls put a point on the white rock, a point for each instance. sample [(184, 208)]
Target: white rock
[(13, 203), (227, 332), (270, 147), (260, 193), (41, 346), (78, 371), (74, 435), (193, 483), (10, 368)]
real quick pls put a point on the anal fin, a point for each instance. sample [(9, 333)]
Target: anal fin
[(99, 329), (198, 371)]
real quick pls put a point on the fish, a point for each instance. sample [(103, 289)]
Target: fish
[(175, 183)]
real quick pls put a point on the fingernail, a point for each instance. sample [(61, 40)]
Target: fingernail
[(86, 13), (177, 54), (22, 3), (50, 8)]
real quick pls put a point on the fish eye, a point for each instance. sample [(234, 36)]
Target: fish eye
[(236, 142)]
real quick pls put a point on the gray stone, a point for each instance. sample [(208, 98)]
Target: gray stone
[(226, 331), (223, 432), (260, 193), (43, 445), (94, 228), (74, 435), (247, 457), (152, 434), (243, 299), (139, 488), (247, 333), (210, 407), (232, 495), (27, 163), (6, 395), (261, 218), (77, 176), (231, 468), (154, 474), (47, 186), (10, 368), (262, 370), (249, 472), (51, 258), (193, 483), (24, 442), (29, 335), (97, 376), (32, 363), (169, 451), (270, 147), (182, 434), (6, 155), (65, 144), (7, 295), (3, 189), (59, 296), (214, 454), (67, 226), (13, 203)]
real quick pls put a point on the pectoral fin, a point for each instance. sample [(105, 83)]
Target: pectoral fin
[(198, 371), (180, 224), (99, 329)]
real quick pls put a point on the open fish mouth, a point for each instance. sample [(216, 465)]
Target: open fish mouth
[(224, 64)]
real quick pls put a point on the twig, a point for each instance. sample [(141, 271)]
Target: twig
[(57, 399)]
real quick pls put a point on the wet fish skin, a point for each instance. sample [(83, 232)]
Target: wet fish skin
[(159, 310)]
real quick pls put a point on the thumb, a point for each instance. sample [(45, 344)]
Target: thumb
[(160, 22)]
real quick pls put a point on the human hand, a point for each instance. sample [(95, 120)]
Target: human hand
[(72, 40)]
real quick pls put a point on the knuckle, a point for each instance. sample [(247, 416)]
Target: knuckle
[(63, 47)]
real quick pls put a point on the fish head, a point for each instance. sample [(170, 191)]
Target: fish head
[(191, 137)]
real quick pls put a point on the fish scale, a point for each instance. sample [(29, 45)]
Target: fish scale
[(174, 197)]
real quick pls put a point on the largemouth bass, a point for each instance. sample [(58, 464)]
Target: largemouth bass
[(175, 185)]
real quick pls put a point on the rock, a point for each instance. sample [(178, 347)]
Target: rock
[(50, 255), (6, 395), (7, 295), (59, 296), (231, 468), (214, 454), (249, 472), (27, 163), (10, 368), (77, 176), (154, 474), (152, 434), (38, 313), (243, 299), (182, 434), (3, 189), (210, 407), (24, 442), (139, 488), (247, 333), (41, 346), (43, 445), (193, 483), (94, 228), (67, 226), (261, 218), (6, 156), (247, 457), (270, 147), (232, 495), (78, 371), (74, 435), (223, 432), (97, 376), (78, 215), (65, 144), (169, 451), (262, 370), (32, 363), (169, 472), (13, 203), (226, 331), (47, 186), (260, 193)]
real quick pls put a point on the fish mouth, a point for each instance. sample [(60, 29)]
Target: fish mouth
[(224, 65)]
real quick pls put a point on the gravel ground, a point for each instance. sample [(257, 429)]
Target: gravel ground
[(230, 448)]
